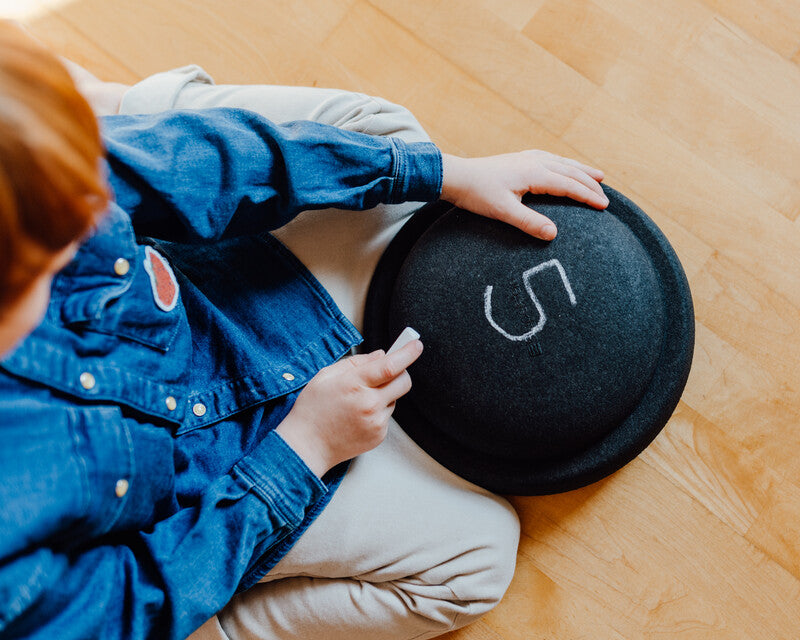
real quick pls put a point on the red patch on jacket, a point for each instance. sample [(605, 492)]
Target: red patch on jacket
[(162, 280)]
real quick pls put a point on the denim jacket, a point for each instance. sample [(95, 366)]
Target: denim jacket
[(141, 481)]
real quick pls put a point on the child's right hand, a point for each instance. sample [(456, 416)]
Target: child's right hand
[(494, 186), (344, 410)]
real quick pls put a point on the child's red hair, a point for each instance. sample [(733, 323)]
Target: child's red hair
[(51, 186)]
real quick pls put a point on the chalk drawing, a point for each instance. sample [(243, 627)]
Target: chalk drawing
[(526, 280)]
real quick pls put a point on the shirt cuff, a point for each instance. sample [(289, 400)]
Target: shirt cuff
[(281, 479), (417, 172)]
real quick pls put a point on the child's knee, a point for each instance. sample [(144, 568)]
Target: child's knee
[(481, 567), (495, 555), (379, 117)]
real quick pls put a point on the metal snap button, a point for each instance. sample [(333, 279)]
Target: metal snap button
[(199, 409), (121, 487), (122, 266), (87, 380), (288, 376)]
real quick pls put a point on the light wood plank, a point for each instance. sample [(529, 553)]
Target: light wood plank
[(719, 51), (62, 37), (725, 132), (665, 26), (254, 43), (516, 13), (583, 35), (777, 529), (703, 201), (697, 456), (755, 320), (739, 389), (446, 100), (712, 355), (540, 606), (479, 630), (628, 545), (759, 412), (776, 23), (484, 46), (749, 71), (714, 126), (733, 471)]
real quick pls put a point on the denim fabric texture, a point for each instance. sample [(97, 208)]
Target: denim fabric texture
[(141, 481)]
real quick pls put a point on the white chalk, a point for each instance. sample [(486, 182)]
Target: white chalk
[(403, 339)]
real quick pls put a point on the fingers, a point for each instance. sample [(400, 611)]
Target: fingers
[(583, 178), (531, 222), (557, 184), (596, 174), (386, 368), (362, 358), (396, 388)]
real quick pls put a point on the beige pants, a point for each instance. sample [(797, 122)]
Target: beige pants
[(405, 549)]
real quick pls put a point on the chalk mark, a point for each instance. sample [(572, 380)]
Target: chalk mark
[(526, 280)]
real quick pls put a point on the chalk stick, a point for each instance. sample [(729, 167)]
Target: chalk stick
[(403, 339)]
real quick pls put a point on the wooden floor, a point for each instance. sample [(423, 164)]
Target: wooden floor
[(692, 107)]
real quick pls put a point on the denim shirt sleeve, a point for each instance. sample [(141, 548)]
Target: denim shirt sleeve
[(167, 581), (198, 176)]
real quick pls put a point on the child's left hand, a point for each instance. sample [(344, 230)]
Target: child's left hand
[(494, 186)]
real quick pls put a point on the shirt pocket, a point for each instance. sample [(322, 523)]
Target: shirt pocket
[(118, 287), (143, 306)]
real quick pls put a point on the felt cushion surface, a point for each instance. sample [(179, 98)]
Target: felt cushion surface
[(554, 390), (546, 365)]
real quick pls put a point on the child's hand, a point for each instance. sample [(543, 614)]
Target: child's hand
[(494, 186), (344, 410)]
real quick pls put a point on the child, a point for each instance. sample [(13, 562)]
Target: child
[(177, 420)]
